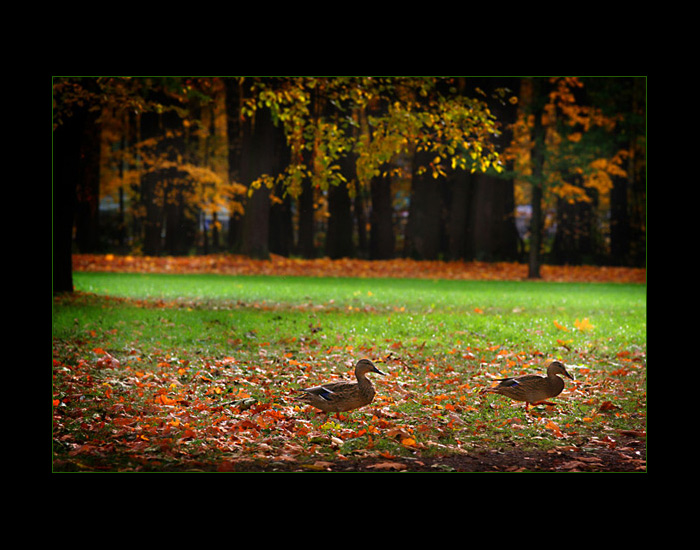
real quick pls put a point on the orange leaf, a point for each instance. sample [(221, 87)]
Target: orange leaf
[(583, 326), (552, 426), (165, 400), (388, 466), (560, 326)]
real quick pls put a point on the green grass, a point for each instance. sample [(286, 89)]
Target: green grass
[(442, 341), (216, 308)]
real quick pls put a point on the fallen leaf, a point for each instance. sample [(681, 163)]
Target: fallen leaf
[(319, 465), (573, 465), (583, 326), (107, 361), (387, 466), (554, 428)]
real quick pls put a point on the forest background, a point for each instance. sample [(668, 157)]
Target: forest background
[(535, 170)]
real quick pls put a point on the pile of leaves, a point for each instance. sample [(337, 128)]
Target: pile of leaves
[(324, 267)]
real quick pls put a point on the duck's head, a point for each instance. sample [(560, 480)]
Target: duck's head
[(557, 367), (365, 365)]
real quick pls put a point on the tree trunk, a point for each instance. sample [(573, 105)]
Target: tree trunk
[(493, 215), (619, 223), (339, 233), (573, 242), (637, 178), (361, 223), (424, 228), (235, 132), (305, 244), (458, 244), (382, 239), (67, 167), (537, 160), (494, 235), (255, 230), (281, 227), (260, 155), (626, 209), (152, 224), (87, 226)]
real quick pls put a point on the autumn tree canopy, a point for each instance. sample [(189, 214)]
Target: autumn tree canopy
[(346, 166)]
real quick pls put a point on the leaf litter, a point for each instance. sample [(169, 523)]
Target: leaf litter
[(230, 264)]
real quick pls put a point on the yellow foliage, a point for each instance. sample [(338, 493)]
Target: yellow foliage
[(571, 193)]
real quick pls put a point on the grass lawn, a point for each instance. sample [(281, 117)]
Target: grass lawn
[(198, 372)]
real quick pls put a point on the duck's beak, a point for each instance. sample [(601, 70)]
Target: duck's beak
[(378, 371), (566, 372)]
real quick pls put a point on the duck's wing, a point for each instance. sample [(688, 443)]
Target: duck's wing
[(328, 391), (514, 382)]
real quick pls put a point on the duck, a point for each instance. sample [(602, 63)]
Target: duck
[(343, 396), (532, 388)]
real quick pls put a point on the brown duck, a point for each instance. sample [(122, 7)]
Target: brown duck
[(531, 388), (343, 395)]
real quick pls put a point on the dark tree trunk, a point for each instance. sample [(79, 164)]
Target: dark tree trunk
[(181, 222), (536, 222), (87, 224), (493, 231), (637, 177), (573, 243), (152, 187), (260, 155), (339, 233), (492, 216), (255, 230), (152, 222), (382, 241), (458, 243), (628, 195), (361, 223), (619, 223), (68, 144), (424, 228), (305, 245), (234, 100), (281, 228), (215, 238)]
